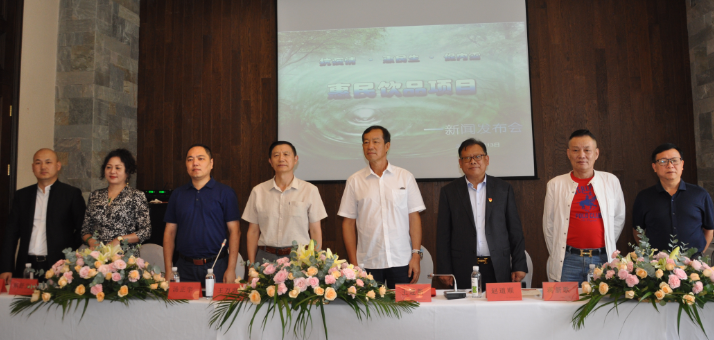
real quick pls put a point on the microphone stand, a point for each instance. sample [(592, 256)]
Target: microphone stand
[(450, 295)]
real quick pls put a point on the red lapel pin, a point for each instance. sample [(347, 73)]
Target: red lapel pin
[(490, 200)]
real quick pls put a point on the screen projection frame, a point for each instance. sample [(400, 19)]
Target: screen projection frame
[(534, 162)]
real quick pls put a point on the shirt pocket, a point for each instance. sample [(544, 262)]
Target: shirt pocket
[(399, 198), (298, 212)]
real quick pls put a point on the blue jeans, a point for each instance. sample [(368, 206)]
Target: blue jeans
[(575, 267)]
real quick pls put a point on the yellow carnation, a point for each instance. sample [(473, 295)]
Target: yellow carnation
[(370, 277), (370, 294), (382, 291)]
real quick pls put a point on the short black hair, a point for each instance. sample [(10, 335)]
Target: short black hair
[(126, 157), (204, 146), (581, 133), (465, 144), (280, 142), (385, 134), (664, 147)]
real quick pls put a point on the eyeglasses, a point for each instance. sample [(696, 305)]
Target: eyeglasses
[(469, 158), (674, 161)]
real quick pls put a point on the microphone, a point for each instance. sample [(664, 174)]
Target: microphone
[(449, 294), (219, 254)]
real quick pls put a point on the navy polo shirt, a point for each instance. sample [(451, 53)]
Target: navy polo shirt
[(201, 217), (683, 215)]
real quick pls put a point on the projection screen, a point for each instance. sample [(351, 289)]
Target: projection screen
[(434, 73)]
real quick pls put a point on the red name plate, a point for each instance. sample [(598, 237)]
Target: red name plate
[(510, 291), (185, 290), (2, 286), (560, 291), (22, 286), (415, 292), (221, 289)]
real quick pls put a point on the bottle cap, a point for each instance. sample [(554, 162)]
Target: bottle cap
[(475, 268), (210, 271), (174, 269), (592, 265), (28, 265)]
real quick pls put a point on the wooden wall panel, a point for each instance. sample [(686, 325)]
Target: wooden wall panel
[(619, 68)]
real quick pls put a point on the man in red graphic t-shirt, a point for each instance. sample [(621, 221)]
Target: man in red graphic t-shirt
[(575, 231)]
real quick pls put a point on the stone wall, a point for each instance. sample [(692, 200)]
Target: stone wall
[(96, 92)]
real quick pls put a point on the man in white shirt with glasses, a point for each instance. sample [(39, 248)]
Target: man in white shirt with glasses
[(380, 206)]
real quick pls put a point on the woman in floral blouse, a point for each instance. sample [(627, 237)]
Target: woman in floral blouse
[(118, 211)]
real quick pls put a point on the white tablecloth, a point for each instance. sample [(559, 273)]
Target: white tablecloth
[(531, 318)]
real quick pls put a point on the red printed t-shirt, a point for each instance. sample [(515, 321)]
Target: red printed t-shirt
[(586, 229)]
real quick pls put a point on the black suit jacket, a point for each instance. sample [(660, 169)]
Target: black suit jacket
[(456, 231), (65, 214)]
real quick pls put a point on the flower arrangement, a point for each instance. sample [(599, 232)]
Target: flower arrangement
[(107, 273), (649, 275), (308, 279)]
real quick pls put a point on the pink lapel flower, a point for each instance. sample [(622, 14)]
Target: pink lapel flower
[(282, 289), (330, 280), (673, 281), (96, 289)]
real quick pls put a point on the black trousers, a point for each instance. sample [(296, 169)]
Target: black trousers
[(393, 275)]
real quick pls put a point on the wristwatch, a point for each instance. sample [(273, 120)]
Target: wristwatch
[(421, 254)]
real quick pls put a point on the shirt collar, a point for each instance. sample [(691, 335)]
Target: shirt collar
[(295, 184), (478, 186), (369, 171), (211, 183), (682, 186), (47, 188)]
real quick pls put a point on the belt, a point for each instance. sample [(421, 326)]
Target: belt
[(37, 258), (200, 262), (585, 252), (483, 260), (276, 251)]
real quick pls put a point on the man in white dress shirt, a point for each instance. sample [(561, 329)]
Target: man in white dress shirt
[(380, 206), (282, 210), (45, 217)]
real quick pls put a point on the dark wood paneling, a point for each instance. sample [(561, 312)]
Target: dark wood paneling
[(619, 68)]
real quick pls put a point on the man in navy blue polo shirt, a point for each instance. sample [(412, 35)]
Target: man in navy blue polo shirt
[(200, 215), (673, 207)]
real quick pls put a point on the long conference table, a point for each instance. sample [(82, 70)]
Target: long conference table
[(531, 318)]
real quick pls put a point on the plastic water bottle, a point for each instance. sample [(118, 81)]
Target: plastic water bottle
[(210, 280), (591, 272), (176, 277), (28, 273), (476, 283)]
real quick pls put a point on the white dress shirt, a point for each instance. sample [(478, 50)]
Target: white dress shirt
[(558, 198), (477, 196), (38, 240), (381, 206), (284, 216)]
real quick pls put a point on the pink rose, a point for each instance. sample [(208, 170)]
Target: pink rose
[(609, 274), (705, 266), (661, 255), (622, 274), (104, 269), (313, 282), (323, 257), (614, 255), (300, 283), (680, 273), (283, 261), (673, 281), (632, 280), (640, 259), (80, 261), (140, 263), (254, 282), (360, 283), (68, 276), (332, 270), (349, 274), (281, 276), (84, 272), (630, 266), (696, 265), (269, 269), (116, 277), (670, 261), (282, 289), (95, 254), (345, 265), (119, 264), (59, 263), (687, 261), (330, 280), (96, 289), (615, 263), (698, 287)]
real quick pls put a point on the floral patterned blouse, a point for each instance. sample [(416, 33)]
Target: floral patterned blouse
[(128, 213)]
